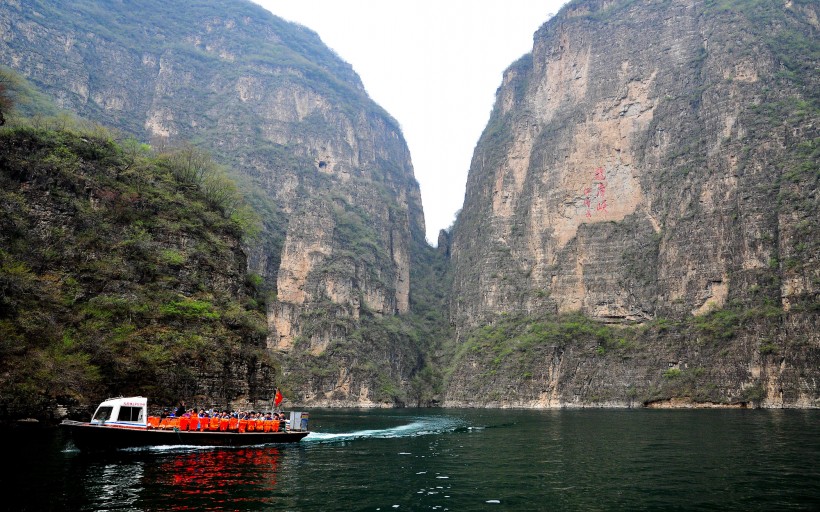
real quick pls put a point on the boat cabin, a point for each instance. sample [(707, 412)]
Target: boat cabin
[(129, 411)]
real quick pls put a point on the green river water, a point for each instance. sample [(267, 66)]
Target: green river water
[(448, 459)]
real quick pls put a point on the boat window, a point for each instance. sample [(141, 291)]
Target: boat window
[(130, 414), (103, 413)]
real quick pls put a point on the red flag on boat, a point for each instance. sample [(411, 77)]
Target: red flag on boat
[(278, 399)]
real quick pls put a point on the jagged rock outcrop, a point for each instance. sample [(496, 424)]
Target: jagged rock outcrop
[(650, 160), (327, 169)]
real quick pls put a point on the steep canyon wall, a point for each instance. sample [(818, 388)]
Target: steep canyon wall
[(649, 160), (326, 168)]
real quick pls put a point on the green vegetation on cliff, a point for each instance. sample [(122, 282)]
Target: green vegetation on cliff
[(118, 275), (520, 359)]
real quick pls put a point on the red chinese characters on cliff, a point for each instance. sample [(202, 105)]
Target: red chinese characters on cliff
[(598, 202)]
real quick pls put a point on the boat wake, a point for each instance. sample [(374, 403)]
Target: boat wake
[(421, 427)]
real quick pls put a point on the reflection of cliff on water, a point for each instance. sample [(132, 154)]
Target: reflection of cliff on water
[(218, 476)]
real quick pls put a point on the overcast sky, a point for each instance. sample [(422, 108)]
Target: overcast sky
[(434, 65)]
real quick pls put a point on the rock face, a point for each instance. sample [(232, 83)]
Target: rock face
[(649, 160), (327, 169)]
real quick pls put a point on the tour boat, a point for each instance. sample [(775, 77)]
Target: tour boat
[(124, 422)]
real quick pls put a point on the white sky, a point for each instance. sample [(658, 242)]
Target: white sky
[(434, 65)]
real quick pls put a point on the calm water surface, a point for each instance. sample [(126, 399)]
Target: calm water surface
[(448, 460)]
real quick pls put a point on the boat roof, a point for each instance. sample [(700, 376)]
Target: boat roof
[(126, 401)]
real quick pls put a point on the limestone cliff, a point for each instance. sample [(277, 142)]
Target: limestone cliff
[(650, 160), (327, 169)]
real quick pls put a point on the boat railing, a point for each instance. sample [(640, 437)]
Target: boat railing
[(207, 424)]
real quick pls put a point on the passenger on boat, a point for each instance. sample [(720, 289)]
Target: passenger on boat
[(204, 420)]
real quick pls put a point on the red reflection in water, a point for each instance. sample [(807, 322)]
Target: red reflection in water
[(219, 473)]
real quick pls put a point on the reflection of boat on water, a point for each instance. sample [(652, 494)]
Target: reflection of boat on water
[(215, 472), (124, 422)]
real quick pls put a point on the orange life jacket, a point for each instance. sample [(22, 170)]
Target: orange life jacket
[(214, 424), (223, 424), (243, 425), (234, 424)]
